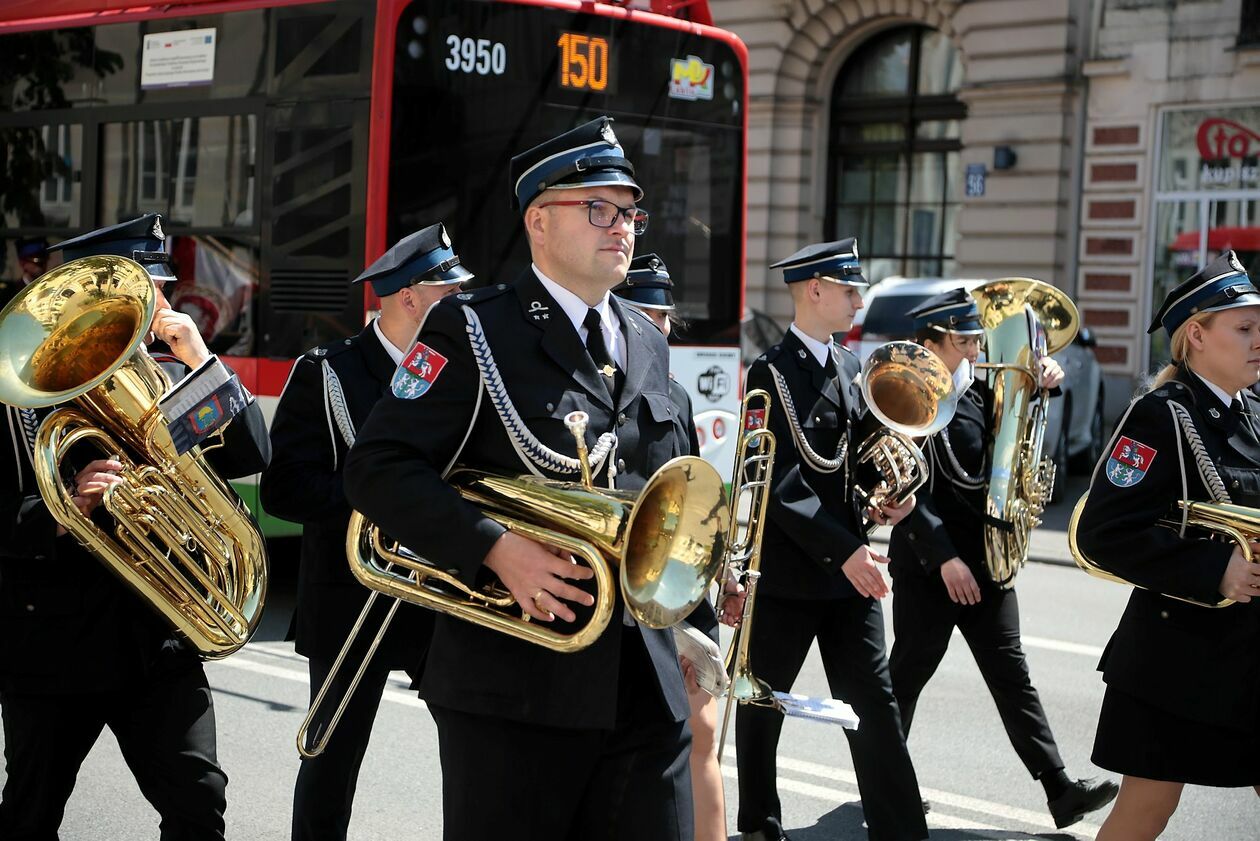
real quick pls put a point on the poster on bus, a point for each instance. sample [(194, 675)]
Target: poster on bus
[(711, 376)]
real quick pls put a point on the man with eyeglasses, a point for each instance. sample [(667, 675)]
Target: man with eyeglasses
[(940, 580), (535, 744)]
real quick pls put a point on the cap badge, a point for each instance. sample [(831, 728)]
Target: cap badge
[(446, 240), (654, 264), (157, 229), (1235, 263), (606, 132)]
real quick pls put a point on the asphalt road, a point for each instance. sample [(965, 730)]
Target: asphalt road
[(965, 764)]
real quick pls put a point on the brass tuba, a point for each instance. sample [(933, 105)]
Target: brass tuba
[(182, 539), (911, 392), (1024, 320), (667, 541), (1236, 522)]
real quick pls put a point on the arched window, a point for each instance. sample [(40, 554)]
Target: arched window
[(895, 181)]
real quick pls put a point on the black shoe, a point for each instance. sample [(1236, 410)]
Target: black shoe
[(773, 832), (927, 806), (1081, 798)]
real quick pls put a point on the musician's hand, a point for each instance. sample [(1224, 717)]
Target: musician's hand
[(862, 570), (731, 603), (689, 679), (960, 583), (1241, 581), (1051, 373), (92, 481), (535, 575), (891, 515), (180, 333)]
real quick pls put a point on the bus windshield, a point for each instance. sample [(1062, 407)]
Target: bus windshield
[(477, 82)]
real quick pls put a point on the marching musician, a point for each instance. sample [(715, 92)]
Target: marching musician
[(820, 581), (648, 287), (940, 578), (1183, 680), (536, 744), (328, 397), (134, 675)]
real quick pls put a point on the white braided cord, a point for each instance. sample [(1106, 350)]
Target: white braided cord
[(1203, 461), (337, 404), (534, 453), (819, 463)]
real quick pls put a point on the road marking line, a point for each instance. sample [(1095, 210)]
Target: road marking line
[(1063, 645), (397, 693)]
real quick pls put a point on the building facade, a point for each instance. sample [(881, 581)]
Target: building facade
[(1082, 142)]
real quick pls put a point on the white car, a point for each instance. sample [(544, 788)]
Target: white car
[(1074, 423)]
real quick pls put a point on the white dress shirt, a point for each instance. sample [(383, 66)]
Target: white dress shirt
[(575, 308), (394, 353), (821, 350)]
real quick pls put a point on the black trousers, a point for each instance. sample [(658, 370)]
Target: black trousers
[(850, 634), (924, 617), (324, 793), (508, 779), (165, 730)]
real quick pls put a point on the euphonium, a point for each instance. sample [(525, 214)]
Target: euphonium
[(1237, 522), (667, 540), (910, 391), (1024, 320), (182, 539)]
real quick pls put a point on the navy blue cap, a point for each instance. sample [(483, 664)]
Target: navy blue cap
[(142, 240), (587, 156), (834, 261), (647, 284), (29, 249), (1220, 285), (425, 257), (950, 312)]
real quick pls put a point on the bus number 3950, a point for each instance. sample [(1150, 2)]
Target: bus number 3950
[(476, 55)]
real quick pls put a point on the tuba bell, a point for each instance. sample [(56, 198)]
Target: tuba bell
[(1024, 320), (910, 391), (182, 539)]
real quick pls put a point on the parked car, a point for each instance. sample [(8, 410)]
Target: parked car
[(1074, 422)]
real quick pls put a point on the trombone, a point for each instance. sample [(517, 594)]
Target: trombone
[(754, 466)]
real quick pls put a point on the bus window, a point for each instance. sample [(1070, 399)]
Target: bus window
[(45, 164)]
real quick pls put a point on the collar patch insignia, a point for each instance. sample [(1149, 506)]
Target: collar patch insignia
[(417, 373), (1128, 462)]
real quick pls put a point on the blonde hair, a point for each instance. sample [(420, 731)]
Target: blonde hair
[(1179, 347)]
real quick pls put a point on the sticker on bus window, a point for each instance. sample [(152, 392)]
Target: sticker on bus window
[(690, 79)]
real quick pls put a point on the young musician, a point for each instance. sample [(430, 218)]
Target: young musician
[(820, 581), (329, 395), (940, 578), (536, 744), (1183, 680), (130, 671)]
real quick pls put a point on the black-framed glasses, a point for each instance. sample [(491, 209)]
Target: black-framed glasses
[(604, 214)]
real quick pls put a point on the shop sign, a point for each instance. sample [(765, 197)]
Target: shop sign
[(1229, 154)]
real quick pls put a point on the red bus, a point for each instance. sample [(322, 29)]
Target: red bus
[(288, 142)]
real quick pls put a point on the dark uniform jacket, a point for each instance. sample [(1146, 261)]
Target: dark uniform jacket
[(814, 521), (394, 475), (947, 520), (67, 623), (1199, 662), (329, 395)]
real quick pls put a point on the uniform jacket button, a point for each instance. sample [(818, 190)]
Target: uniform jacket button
[(1163, 614), (913, 536), (30, 608), (621, 464), (621, 419), (551, 407), (826, 559), (1234, 484), (41, 557)]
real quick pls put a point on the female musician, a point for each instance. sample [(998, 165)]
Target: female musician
[(1183, 681), (649, 288)]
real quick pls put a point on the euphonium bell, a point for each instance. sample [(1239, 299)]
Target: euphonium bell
[(182, 539), (667, 540), (911, 392)]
